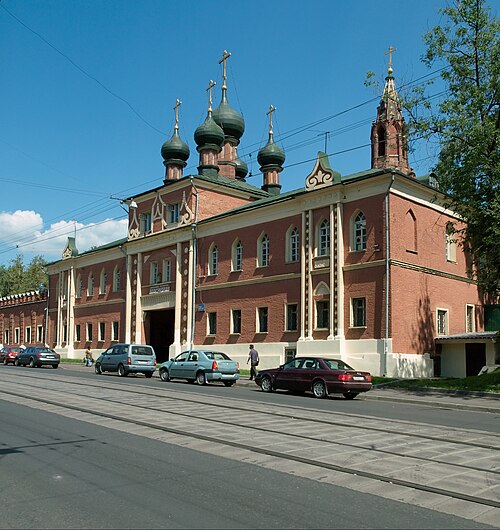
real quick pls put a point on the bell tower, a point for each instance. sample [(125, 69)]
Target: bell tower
[(389, 137)]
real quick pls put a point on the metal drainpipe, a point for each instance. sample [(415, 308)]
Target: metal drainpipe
[(387, 249), (195, 245)]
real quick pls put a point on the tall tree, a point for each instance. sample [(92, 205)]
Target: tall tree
[(17, 278), (466, 122)]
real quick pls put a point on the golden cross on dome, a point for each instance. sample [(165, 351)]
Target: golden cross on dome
[(270, 114), (225, 57), (178, 103), (209, 88), (389, 52)]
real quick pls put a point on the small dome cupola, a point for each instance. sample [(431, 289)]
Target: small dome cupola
[(271, 158), (230, 120), (175, 151), (241, 168), (209, 138)]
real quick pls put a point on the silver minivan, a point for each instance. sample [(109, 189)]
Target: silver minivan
[(127, 359)]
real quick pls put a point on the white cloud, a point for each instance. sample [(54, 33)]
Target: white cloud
[(24, 231)]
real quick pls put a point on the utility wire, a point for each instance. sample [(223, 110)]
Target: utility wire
[(82, 70)]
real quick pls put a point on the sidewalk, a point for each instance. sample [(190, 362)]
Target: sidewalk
[(471, 401)]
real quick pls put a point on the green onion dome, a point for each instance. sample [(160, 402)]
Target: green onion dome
[(208, 133), (271, 154), (230, 120), (175, 148), (241, 168)]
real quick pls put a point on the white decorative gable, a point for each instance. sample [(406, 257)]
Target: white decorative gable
[(322, 175)]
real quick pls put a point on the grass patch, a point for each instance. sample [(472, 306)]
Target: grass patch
[(71, 360), (476, 383)]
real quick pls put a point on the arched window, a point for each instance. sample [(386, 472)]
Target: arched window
[(411, 231), (102, 282), (451, 243), (359, 232), (213, 260), (117, 279), (90, 285), (293, 241), (381, 141), (237, 256), (263, 251), (324, 238)]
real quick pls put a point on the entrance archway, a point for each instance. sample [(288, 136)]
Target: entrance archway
[(160, 332)]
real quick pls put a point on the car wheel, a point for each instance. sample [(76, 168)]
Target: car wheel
[(228, 383), (32, 363), (55, 366), (319, 389), (121, 370), (350, 395), (201, 378), (266, 384), (98, 369), (16, 362), (165, 375), (149, 375)]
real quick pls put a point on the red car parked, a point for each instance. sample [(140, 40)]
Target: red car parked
[(8, 354), (321, 376)]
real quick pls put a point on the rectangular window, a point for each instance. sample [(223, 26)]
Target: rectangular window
[(155, 276), (65, 333), (358, 312), (115, 330), (451, 247), (89, 331), (236, 321), (322, 314), (77, 333), (39, 334), (263, 315), (173, 213), (167, 270), (470, 324), (291, 317), (145, 222), (442, 321), (102, 331), (16, 336), (7, 336), (27, 335), (117, 280), (212, 323)]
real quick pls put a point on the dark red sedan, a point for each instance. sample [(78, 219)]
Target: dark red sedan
[(8, 354), (321, 376)]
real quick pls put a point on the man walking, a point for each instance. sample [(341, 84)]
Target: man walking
[(253, 359)]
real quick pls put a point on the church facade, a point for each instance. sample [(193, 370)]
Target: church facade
[(363, 267)]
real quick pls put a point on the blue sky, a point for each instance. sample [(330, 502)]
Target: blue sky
[(67, 143)]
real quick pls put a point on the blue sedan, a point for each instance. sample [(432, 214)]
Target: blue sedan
[(201, 366)]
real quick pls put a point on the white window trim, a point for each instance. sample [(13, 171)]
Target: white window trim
[(26, 330), (231, 325), (17, 335), (352, 232), (39, 333), (473, 330), (447, 312), (102, 331), (234, 256), (352, 312), (102, 282), (257, 320), (260, 254), (87, 328), (209, 334), (318, 238), (288, 245), (316, 328), (115, 337), (213, 266)]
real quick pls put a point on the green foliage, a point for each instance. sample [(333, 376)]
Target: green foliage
[(478, 383), (17, 278), (466, 124)]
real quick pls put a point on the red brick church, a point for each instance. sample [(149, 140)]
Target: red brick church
[(362, 267)]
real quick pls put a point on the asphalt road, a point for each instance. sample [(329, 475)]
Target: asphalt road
[(57, 472), (425, 410)]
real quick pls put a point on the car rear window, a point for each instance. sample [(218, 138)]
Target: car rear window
[(337, 364), (217, 356), (142, 350), (14, 350)]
